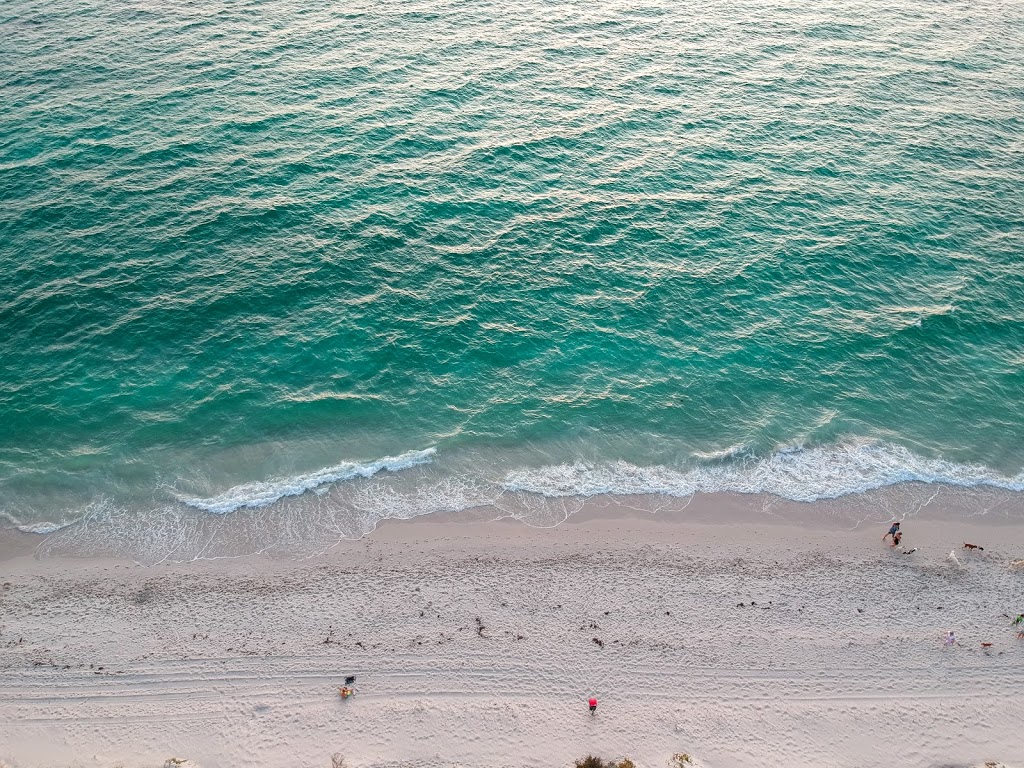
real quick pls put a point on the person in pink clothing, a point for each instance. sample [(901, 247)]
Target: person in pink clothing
[(593, 705)]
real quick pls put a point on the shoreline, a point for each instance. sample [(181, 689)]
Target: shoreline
[(476, 643), (969, 507)]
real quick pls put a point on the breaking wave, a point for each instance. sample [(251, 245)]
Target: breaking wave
[(796, 473), (265, 493)]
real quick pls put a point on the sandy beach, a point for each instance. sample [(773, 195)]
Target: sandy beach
[(755, 642)]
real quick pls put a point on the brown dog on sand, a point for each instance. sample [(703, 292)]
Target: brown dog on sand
[(973, 546)]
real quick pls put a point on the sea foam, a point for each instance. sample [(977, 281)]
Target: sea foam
[(800, 474), (39, 527), (264, 493), (43, 527)]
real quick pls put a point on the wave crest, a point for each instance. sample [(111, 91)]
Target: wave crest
[(265, 493), (799, 474)]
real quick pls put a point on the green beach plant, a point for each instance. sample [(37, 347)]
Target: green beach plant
[(590, 761)]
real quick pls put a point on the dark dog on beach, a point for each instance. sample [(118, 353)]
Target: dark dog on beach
[(973, 546)]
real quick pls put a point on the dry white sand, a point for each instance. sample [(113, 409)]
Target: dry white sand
[(478, 643)]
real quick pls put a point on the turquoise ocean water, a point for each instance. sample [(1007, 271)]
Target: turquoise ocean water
[(289, 268)]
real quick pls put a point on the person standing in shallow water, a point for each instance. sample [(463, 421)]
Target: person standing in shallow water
[(892, 531), (593, 705)]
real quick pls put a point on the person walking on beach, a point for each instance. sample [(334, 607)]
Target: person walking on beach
[(892, 531), (896, 538), (593, 705), (950, 639)]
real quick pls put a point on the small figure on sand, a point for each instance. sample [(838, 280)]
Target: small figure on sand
[(593, 705), (893, 530), (950, 639), (347, 689), (896, 539), (973, 546)]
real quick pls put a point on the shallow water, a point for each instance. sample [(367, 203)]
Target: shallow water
[(257, 249)]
